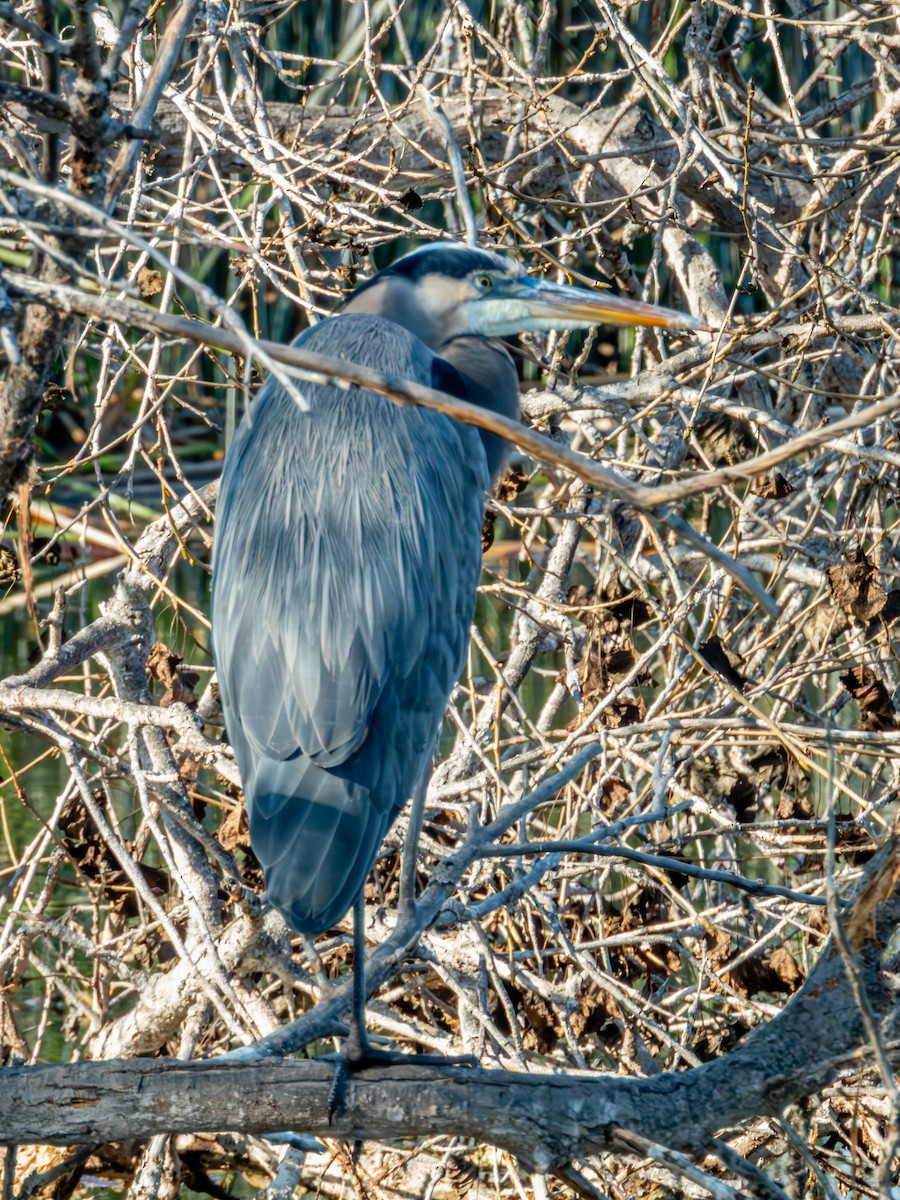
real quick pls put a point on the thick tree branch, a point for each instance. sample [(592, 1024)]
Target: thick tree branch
[(544, 1120)]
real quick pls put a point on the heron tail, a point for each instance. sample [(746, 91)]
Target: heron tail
[(316, 836)]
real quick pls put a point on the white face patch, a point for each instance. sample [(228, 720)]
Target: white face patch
[(455, 307), (441, 297)]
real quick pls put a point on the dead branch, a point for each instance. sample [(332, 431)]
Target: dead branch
[(545, 1120)]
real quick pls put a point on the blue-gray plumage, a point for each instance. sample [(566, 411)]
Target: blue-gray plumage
[(344, 621), (347, 557)]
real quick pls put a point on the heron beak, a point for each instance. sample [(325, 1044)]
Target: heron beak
[(557, 306)]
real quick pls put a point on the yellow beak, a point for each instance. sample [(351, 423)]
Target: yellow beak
[(554, 305)]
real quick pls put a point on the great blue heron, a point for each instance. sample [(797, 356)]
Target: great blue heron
[(348, 551)]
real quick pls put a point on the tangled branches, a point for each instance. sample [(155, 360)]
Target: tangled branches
[(659, 843)]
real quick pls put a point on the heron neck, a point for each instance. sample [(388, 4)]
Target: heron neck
[(489, 374), (396, 305)]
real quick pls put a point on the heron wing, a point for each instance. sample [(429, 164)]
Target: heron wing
[(347, 556)]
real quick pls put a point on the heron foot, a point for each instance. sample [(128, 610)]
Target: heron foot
[(352, 1059)]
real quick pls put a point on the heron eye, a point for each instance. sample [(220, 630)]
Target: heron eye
[(485, 281)]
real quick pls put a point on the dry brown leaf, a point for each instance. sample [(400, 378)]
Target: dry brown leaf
[(786, 967), (855, 587), (164, 665), (876, 711), (149, 281), (771, 487)]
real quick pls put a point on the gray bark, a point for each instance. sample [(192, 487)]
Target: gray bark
[(545, 1120)]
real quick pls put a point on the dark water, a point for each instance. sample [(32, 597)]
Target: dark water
[(33, 776), (28, 761)]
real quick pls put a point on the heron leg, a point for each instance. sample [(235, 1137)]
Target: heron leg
[(356, 1052), (355, 1049), (357, 1045), (410, 854)]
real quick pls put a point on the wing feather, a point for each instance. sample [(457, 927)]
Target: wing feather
[(347, 557)]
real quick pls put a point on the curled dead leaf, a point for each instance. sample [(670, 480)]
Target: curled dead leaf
[(165, 666), (876, 710), (149, 281), (855, 587), (771, 487)]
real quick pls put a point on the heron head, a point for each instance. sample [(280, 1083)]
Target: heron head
[(446, 290)]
